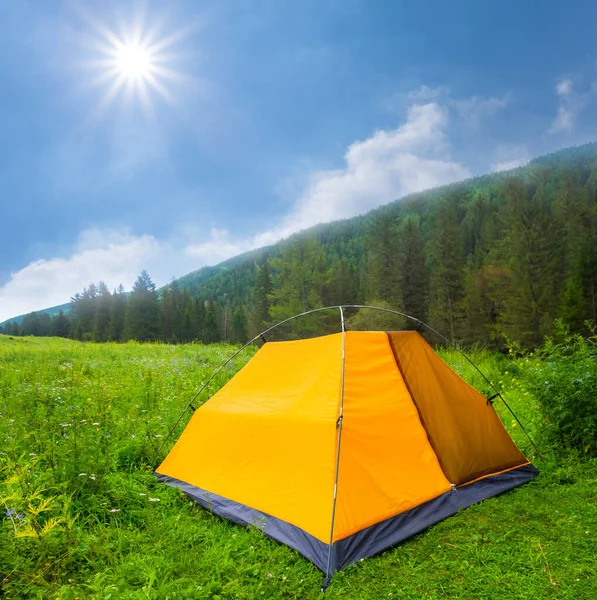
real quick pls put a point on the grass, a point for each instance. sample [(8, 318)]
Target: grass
[(80, 424)]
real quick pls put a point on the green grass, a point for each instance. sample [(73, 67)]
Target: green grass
[(80, 424)]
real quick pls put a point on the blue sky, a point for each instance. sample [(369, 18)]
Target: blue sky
[(266, 117)]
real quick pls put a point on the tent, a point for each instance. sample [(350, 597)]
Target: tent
[(343, 445)]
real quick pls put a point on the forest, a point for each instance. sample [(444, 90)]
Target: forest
[(495, 260)]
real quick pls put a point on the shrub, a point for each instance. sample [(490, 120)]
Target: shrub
[(565, 384)]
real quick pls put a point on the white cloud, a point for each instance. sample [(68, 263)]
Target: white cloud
[(426, 93), (564, 87), (216, 248), (473, 110), (563, 121), (111, 256), (570, 105), (386, 166)]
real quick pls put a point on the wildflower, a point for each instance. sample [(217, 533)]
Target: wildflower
[(269, 575), (83, 420), (20, 516), (92, 476), (142, 494), (133, 435), (284, 578), (65, 425), (32, 454), (154, 499), (82, 474), (114, 510), (158, 435), (10, 512), (95, 424)]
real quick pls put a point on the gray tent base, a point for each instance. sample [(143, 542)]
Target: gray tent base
[(369, 541)]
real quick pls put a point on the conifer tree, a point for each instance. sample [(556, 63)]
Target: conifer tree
[(239, 325), (211, 329), (117, 315), (101, 317), (142, 314), (260, 315), (413, 278)]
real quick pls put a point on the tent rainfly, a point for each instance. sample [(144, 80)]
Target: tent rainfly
[(343, 445)]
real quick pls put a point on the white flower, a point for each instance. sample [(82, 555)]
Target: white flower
[(82, 474), (96, 424), (154, 499), (142, 494), (114, 510)]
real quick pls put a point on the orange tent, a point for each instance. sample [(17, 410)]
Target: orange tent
[(343, 445)]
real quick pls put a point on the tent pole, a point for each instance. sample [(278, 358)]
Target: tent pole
[(328, 574)]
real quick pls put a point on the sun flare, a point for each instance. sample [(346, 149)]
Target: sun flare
[(133, 61), (134, 64)]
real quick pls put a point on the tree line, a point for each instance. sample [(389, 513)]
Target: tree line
[(173, 316), (493, 260)]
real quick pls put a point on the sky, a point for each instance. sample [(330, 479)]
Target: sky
[(171, 135)]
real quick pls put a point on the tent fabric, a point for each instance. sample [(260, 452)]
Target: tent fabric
[(464, 430), (264, 449)]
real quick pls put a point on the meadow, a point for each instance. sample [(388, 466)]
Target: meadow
[(83, 516)]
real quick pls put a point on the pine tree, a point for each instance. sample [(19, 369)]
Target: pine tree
[(381, 272), (211, 329), (101, 318), (239, 325), (303, 277), (260, 314), (447, 269), (413, 277), (530, 244), (188, 328), (117, 315), (60, 325), (172, 313), (142, 315)]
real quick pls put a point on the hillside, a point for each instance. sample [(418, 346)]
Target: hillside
[(493, 258)]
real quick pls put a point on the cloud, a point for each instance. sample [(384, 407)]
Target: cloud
[(471, 110), (474, 110), (113, 256), (569, 106), (564, 87), (385, 166), (216, 248), (426, 93)]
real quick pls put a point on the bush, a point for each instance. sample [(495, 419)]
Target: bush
[(565, 384)]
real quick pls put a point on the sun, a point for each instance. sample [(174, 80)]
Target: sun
[(134, 62)]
